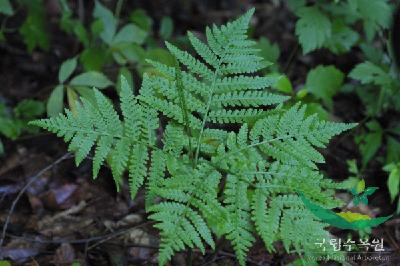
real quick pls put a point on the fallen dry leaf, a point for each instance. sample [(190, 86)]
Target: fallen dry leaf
[(65, 254), (61, 197)]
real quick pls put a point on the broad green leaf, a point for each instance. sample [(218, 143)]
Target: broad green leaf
[(70, 25), (352, 166), (375, 13), (91, 79), (94, 58), (66, 21), (119, 58), (398, 206), (55, 103), (372, 54), (360, 186), (29, 109), (389, 167), (87, 93), (370, 190), (301, 93), (6, 8), (393, 182), (108, 20), (393, 150), (9, 128), (33, 30), (131, 52), (313, 28), (140, 18), (81, 33), (66, 69), (324, 82), (96, 27), (157, 54), (370, 29), (343, 38), (130, 34), (360, 196), (317, 108), (283, 84), (374, 126), (368, 72), (166, 28), (268, 50), (161, 55), (124, 72), (369, 143), (72, 97), (370, 146)]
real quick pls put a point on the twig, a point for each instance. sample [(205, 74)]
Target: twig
[(22, 191), (290, 59), (225, 254), (136, 245), (115, 234), (73, 210), (105, 237), (214, 259)]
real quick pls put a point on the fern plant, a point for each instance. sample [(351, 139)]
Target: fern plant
[(231, 160)]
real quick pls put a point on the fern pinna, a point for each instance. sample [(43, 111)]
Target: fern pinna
[(203, 180)]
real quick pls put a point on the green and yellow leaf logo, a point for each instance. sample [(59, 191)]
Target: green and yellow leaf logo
[(343, 220)]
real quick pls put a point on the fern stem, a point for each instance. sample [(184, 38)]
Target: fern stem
[(255, 145), (216, 73), (182, 101), (77, 129)]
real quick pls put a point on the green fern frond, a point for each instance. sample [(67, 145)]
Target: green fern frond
[(123, 143), (203, 177), (239, 83), (195, 66), (137, 167), (235, 116), (240, 227), (248, 99), (266, 219), (181, 217), (294, 136), (228, 55), (204, 51), (156, 175)]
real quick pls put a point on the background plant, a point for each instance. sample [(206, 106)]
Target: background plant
[(333, 26), (14, 122)]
